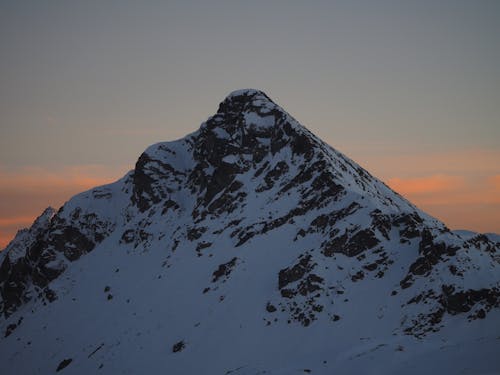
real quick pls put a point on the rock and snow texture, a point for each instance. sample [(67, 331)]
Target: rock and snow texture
[(247, 247)]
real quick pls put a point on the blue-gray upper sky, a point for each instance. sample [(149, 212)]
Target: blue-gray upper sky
[(95, 82)]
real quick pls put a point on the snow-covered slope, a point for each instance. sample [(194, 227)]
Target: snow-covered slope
[(248, 247)]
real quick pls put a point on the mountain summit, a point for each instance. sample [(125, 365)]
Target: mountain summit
[(248, 247)]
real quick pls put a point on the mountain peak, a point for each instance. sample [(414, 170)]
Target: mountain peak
[(250, 230), (247, 100), (247, 95), (249, 113)]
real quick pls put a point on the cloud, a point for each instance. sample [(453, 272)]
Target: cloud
[(495, 183), (26, 192), (38, 179), (464, 202), (22, 220), (451, 190), (407, 161), (426, 185)]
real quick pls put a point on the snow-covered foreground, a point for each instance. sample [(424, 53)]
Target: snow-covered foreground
[(248, 247)]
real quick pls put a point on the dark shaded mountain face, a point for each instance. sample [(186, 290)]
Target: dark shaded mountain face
[(247, 247)]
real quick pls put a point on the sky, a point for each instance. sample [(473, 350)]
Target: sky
[(408, 89)]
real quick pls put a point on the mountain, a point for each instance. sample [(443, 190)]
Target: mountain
[(248, 247)]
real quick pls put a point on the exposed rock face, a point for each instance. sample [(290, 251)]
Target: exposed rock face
[(248, 226), (40, 254)]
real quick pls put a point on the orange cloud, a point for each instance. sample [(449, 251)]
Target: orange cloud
[(6, 221), (426, 185), (442, 189), (462, 202), (495, 182), (26, 192), (37, 179), (407, 161)]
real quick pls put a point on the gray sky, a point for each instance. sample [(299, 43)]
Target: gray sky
[(96, 82)]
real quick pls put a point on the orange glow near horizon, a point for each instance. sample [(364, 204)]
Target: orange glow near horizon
[(39, 179), (495, 181), (26, 192), (461, 201), (425, 185), (442, 190)]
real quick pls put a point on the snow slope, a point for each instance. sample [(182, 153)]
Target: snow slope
[(248, 247)]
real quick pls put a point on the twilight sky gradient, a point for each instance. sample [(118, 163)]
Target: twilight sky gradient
[(408, 89)]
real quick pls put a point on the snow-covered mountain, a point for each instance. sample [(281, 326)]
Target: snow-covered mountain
[(248, 247)]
